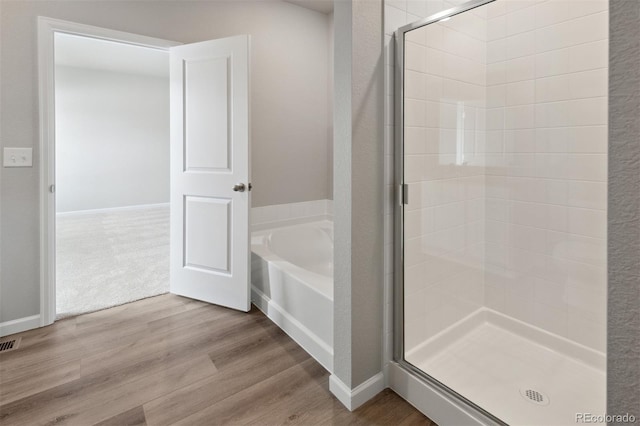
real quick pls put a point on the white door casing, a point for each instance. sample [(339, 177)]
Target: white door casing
[(237, 52), (47, 28), (210, 136)]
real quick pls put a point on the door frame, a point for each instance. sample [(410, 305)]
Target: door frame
[(47, 27)]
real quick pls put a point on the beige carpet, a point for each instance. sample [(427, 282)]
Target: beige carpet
[(110, 258)]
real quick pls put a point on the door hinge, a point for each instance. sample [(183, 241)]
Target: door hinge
[(52, 189), (403, 194)]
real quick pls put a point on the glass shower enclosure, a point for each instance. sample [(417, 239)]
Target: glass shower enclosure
[(501, 167)]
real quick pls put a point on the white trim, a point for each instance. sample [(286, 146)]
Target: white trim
[(19, 325), (289, 222), (291, 211), (362, 393), (47, 28), (433, 403), (47, 207), (67, 27), (112, 209), (304, 337)]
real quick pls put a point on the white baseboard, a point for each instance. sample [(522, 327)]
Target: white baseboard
[(113, 209), (309, 341), (19, 325), (354, 398)]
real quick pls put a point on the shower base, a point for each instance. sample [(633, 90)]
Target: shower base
[(519, 373)]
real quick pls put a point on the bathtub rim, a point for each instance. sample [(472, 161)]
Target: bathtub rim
[(321, 284)]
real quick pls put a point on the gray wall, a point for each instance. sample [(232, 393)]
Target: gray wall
[(112, 139), (358, 190), (289, 106), (330, 109), (623, 327)]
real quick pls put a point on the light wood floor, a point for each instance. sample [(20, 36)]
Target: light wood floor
[(171, 360)]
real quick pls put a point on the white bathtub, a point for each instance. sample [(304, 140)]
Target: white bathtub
[(292, 283)]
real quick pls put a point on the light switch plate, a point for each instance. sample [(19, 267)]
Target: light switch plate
[(18, 157)]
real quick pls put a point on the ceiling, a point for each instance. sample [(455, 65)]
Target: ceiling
[(322, 6), (91, 53)]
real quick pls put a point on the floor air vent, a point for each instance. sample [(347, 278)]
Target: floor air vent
[(9, 345), (534, 396)]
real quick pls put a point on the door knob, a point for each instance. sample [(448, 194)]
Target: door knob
[(239, 187)]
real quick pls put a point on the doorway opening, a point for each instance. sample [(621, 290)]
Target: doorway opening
[(112, 173), (209, 178)]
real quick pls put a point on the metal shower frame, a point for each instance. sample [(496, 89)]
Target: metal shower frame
[(401, 195)]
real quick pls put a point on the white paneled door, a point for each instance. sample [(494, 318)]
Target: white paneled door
[(210, 198)]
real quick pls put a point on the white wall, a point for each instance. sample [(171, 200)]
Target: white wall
[(288, 106), (547, 69), (112, 139)]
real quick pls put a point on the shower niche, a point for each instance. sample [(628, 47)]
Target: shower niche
[(501, 154)]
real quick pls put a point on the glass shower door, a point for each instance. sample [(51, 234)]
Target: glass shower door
[(503, 137)]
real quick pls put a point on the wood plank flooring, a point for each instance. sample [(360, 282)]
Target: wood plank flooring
[(171, 360)]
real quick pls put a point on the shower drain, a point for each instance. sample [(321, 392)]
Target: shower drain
[(534, 396)]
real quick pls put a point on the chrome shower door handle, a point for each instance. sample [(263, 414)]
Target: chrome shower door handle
[(239, 187)]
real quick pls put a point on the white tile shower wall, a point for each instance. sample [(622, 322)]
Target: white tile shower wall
[(445, 115), (558, 170), (397, 13), (293, 211), (546, 168), (445, 87)]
